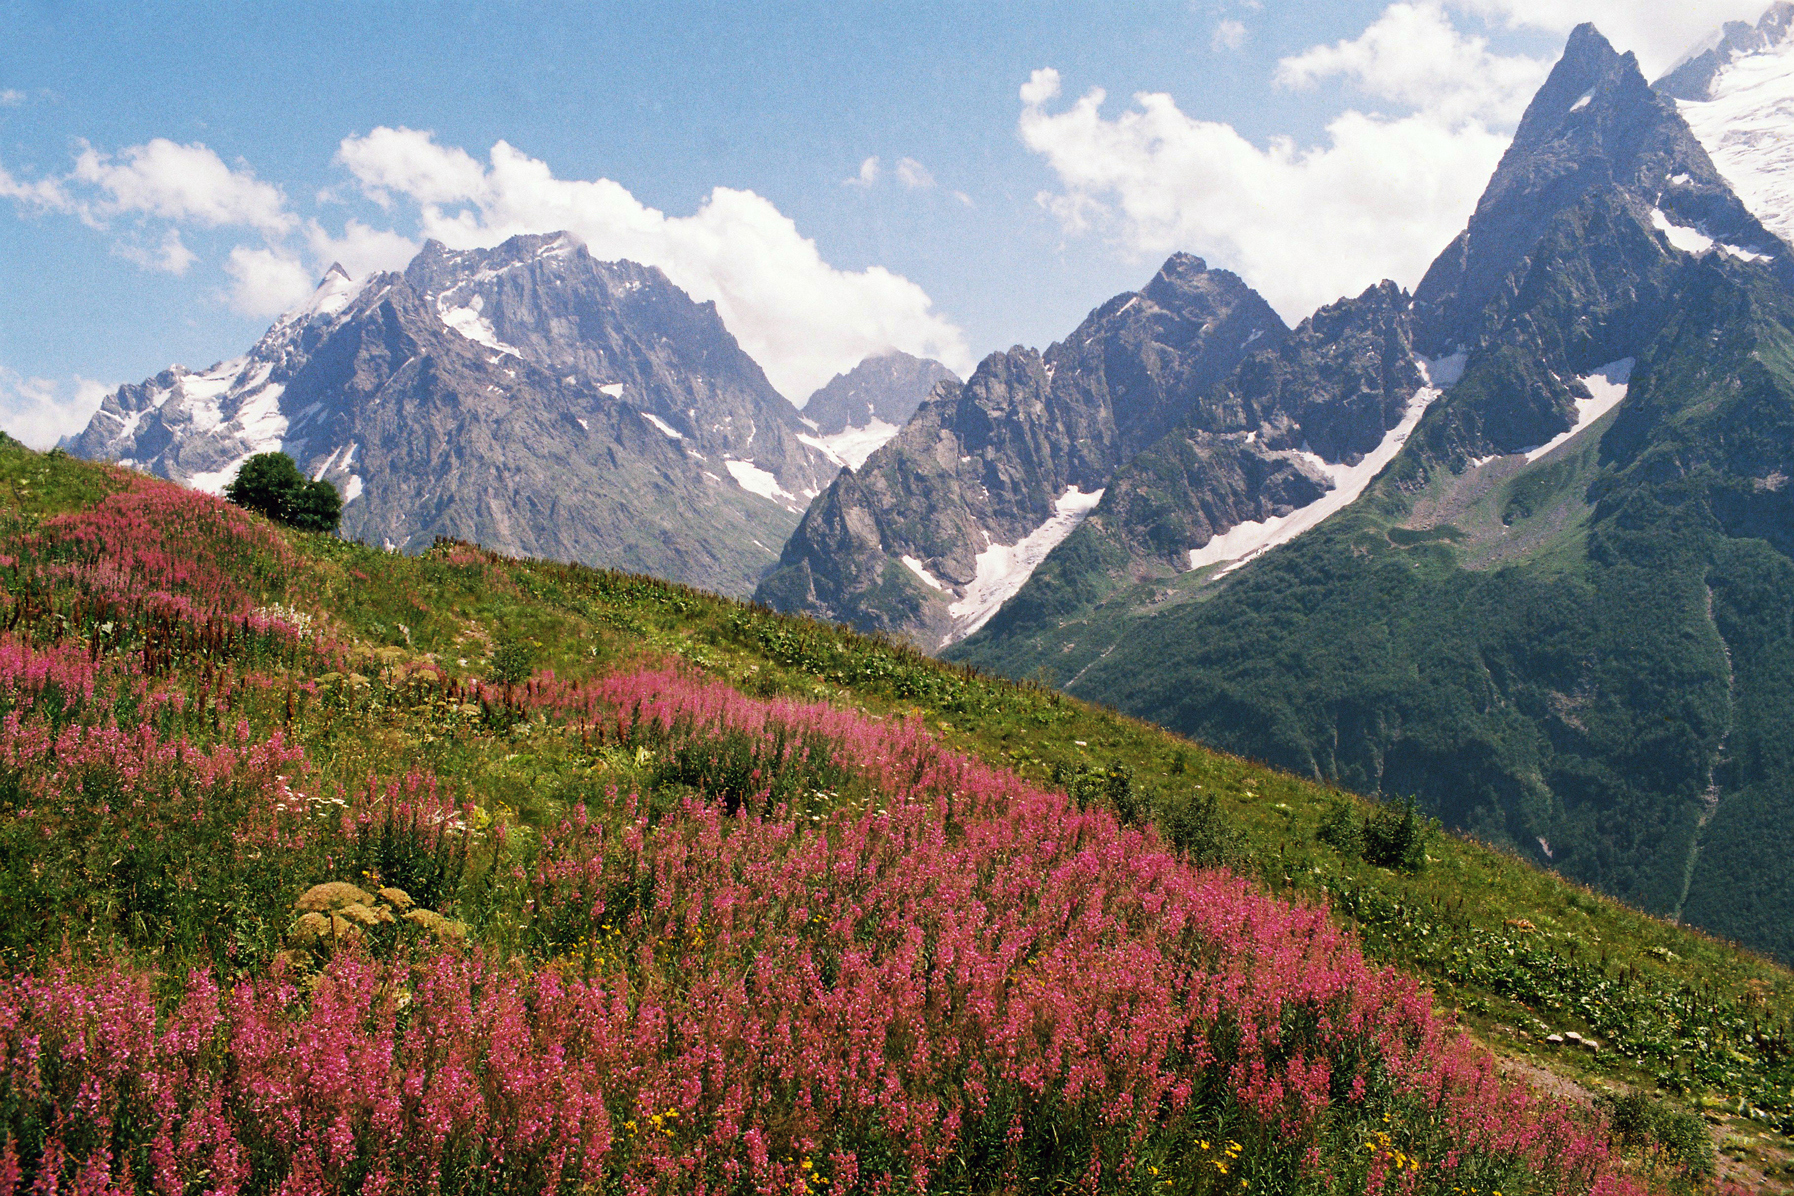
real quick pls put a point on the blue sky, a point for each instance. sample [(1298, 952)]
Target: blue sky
[(171, 176)]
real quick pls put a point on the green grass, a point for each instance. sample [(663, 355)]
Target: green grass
[(1512, 947), (1518, 952)]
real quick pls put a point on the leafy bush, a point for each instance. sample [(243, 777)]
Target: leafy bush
[(1341, 829), (1660, 1132), (1395, 837), (1112, 787), (270, 484), (512, 660), (1198, 829)]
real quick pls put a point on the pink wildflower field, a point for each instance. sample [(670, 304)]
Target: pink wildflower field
[(776, 946)]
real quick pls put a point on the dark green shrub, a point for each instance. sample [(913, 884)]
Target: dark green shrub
[(1197, 828), (1660, 1132), (1112, 787), (270, 484), (1341, 829), (513, 660), (1395, 837)]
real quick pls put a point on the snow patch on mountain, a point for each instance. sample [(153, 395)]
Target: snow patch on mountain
[(920, 570), (754, 480), (670, 431), (1607, 390), (471, 324), (1002, 569), (1743, 123), (1246, 541), (1443, 372), (1688, 240), (852, 447)]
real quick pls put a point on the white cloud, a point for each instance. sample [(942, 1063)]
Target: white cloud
[(266, 282), (389, 160), (1658, 31), (1042, 85), (11, 98), (171, 257), (1379, 199), (41, 411), (1414, 56), (868, 174), (802, 319), (361, 250), (1229, 35), (913, 174), (183, 183), (44, 194)]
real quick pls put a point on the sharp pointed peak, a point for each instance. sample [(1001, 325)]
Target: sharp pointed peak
[(336, 271)]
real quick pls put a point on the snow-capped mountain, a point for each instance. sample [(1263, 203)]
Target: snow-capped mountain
[(855, 413), (1737, 94), (526, 396)]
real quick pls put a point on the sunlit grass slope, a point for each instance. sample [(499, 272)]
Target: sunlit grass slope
[(325, 869)]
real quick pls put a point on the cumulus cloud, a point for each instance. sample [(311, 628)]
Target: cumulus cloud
[(160, 187), (171, 255), (266, 282), (41, 411), (1416, 57), (802, 319), (1228, 35), (361, 250), (1378, 199), (183, 183), (1658, 31)]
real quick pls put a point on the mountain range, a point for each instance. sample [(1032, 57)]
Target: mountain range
[(528, 397), (1516, 543)]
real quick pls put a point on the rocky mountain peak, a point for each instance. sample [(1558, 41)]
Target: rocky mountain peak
[(1595, 128), (883, 389), (1695, 76)]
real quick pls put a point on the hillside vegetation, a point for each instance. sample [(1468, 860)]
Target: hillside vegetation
[(329, 869), (1583, 657)]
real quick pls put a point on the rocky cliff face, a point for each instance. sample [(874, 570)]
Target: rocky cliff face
[(1271, 439), (944, 523), (527, 397)]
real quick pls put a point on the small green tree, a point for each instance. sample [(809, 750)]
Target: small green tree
[(270, 484), (1396, 837)]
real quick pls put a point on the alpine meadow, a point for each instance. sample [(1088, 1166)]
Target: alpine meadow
[(616, 682)]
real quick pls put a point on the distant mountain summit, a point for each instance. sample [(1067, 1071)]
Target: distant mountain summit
[(856, 413), (528, 397), (883, 389), (1737, 95), (1552, 601)]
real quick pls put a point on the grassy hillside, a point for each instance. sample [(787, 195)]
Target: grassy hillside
[(331, 869)]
